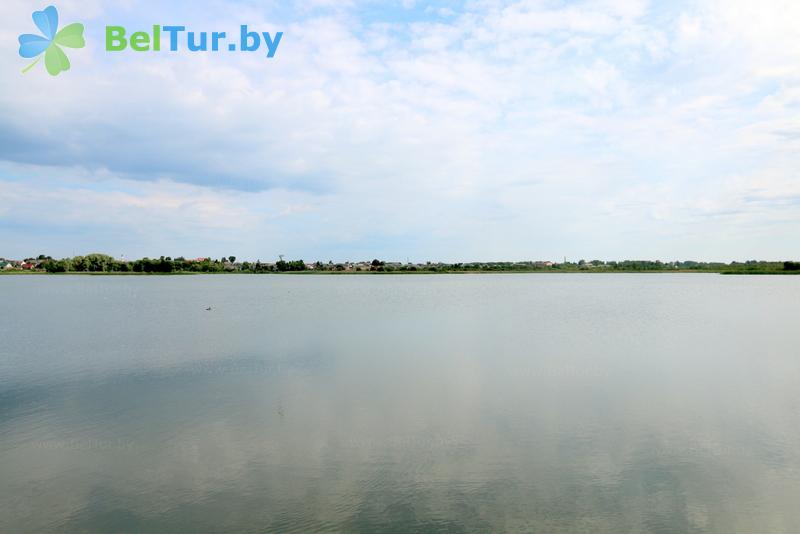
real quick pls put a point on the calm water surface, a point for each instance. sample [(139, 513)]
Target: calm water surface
[(474, 403)]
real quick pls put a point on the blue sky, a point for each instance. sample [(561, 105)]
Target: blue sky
[(444, 130)]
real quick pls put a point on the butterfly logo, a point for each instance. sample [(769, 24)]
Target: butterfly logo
[(50, 42)]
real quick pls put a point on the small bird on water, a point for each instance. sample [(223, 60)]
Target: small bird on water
[(208, 309)]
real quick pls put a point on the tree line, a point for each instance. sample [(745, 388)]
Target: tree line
[(102, 263)]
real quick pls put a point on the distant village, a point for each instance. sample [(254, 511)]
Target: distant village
[(102, 263), (21, 265)]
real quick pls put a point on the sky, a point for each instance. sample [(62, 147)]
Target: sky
[(404, 130)]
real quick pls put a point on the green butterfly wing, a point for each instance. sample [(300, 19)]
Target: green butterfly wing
[(55, 60), (71, 36)]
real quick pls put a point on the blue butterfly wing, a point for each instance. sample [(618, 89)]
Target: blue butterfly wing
[(32, 45), (47, 21)]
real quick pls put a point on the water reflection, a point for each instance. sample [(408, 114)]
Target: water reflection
[(441, 404)]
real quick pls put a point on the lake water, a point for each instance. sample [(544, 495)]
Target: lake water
[(467, 403)]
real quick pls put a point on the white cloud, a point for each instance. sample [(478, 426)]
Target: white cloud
[(440, 137)]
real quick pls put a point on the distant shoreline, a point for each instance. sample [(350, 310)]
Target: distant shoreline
[(103, 264), (401, 273)]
